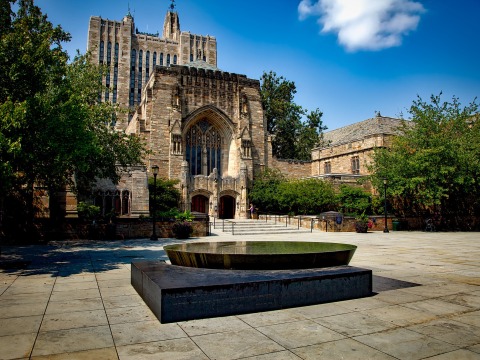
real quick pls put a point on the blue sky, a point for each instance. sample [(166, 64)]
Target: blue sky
[(349, 58)]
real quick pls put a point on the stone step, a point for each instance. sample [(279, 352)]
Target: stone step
[(269, 232), (256, 227)]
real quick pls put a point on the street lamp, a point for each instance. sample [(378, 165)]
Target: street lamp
[(385, 210), (155, 173)]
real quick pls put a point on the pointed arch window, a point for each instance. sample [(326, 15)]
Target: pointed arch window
[(203, 149)]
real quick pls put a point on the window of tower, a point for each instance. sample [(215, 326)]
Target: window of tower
[(174, 59), (168, 59), (116, 54), (147, 66), (107, 86), (101, 52), (154, 58), (139, 83), (133, 61), (115, 81), (109, 53), (161, 59)]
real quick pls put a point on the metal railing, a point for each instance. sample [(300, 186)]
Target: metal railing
[(277, 217), (233, 223)]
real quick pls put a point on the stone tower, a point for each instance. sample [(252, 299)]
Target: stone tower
[(131, 55)]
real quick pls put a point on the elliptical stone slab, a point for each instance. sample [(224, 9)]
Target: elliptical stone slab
[(178, 293)]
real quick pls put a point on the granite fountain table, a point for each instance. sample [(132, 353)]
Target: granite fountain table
[(211, 279)]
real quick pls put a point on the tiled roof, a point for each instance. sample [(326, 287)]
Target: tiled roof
[(362, 129)]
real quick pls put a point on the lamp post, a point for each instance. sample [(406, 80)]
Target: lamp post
[(154, 220), (385, 198)]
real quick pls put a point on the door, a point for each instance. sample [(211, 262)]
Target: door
[(227, 207), (199, 204)]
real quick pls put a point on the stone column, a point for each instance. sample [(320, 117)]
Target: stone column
[(184, 186)]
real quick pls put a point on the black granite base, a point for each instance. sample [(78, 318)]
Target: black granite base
[(177, 293)]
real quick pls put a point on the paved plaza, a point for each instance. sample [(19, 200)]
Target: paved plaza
[(73, 300)]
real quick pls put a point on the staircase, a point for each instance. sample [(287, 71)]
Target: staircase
[(256, 227)]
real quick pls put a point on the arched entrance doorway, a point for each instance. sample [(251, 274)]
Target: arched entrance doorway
[(227, 207), (200, 204)]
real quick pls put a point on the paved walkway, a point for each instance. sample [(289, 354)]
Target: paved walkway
[(73, 300)]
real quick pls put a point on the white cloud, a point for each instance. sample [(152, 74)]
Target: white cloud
[(364, 24)]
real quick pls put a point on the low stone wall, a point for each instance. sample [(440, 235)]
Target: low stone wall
[(121, 229), (347, 225), (163, 229)]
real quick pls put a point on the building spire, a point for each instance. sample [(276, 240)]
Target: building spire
[(171, 26)]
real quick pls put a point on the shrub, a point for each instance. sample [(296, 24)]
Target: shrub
[(185, 216), (361, 223), (87, 211), (182, 229)]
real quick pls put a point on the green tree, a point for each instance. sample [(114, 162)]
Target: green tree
[(167, 197), (264, 193), (54, 133), (310, 135), (434, 166), (293, 138), (282, 114), (353, 200)]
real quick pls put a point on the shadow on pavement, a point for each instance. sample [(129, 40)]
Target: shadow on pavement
[(65, 258)]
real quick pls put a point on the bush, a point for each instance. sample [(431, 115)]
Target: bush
[(273, 192), (361, 223), (182, 229), (185, 216), (87, 211)]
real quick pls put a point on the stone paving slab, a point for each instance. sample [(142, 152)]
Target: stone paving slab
[(72, 300)]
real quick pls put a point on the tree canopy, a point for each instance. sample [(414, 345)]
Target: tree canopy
[(292, 137), (54, 132), (433, 168), (272, 192)]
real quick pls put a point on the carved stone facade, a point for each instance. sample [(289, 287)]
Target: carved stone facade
[(205, 127)]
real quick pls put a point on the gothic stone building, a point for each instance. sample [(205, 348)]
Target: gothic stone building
[(203, 126), (349, 149)]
